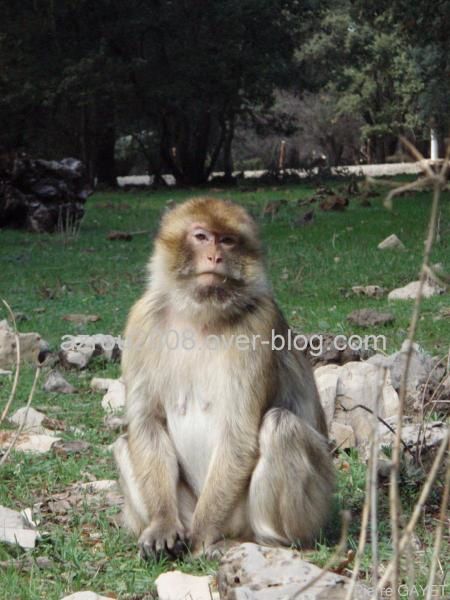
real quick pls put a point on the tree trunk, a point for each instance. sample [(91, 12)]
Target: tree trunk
[(86, 143), (227, 151), (105, 162), (376, 150)]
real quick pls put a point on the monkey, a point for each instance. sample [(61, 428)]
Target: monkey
[(226, 437)]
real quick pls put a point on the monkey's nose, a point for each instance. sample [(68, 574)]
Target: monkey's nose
[(215, 259)]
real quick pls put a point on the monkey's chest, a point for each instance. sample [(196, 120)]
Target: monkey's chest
[(194, 424)]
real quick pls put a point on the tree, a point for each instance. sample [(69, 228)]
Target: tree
[(183, 70), (424, 29), (365, 63), (200, 65), (58, 82)]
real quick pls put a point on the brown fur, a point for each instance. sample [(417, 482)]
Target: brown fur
[(221, 442)]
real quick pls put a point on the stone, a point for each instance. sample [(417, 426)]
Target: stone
[(334, 203), (56, 383), (15, 529), (342, 435), (421, 367), (411, 291), (366, 317), (428, 435), (114, 399), (32, 347), (30, 418), (80, 319), (99, 344), (390, 243), (326, 380), (359, 383), (342, 388), (28, 442), (43, 195), (75, 359), (65, 448), (176, 585), (100, 485), (371, 291), (322, 349), (445, 388), (250, 571)]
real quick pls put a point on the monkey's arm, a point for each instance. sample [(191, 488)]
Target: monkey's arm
[(230, 471), (155, 470)]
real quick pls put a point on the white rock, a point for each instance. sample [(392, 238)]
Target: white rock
[(101, 485), (421, 367), (114, 399), (342, 435), (391, 242), (77, 359), (101, 384), (99, 344), (56, 383), (14, 529), (373, 291), (5, 373), (252, 572), (31, 344), (86, 596), (176, 585), (428, 435), (361, 383), (108, 343), (28, 442), (31, 419), (349, 385), (326, 380), (445, 386), (410, 291)]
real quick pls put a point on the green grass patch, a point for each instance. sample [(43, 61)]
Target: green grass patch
[(48, 276)]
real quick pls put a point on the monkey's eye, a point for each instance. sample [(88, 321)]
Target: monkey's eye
[(228, 240), (201, 237)]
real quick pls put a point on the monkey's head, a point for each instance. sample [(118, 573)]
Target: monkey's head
[(208, 258)]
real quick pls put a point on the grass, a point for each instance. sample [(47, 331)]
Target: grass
[(46, 277)]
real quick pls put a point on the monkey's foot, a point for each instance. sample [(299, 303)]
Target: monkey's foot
[(158, 541)]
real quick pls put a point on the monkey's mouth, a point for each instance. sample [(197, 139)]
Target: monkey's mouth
[(211, 278)]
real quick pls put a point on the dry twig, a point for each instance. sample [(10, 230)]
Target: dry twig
[(439, 529), (16, 374), (437, 180), (426, 489)]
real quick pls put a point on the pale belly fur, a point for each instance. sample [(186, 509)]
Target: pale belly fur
[(195, 410)]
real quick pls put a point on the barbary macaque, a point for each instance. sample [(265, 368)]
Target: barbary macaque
[(226, 436)]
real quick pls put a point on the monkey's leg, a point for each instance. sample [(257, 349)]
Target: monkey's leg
[(135, 516), (157, 535), (224, 491), (292, 484)]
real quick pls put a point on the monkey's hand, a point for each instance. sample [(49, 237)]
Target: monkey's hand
[(163, 538), (202, 539)]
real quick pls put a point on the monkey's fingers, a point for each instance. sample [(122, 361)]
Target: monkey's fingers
[(157, 544), (179, 547)]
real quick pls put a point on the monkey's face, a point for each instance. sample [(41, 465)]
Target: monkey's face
[(210, 252), (212, 256)]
